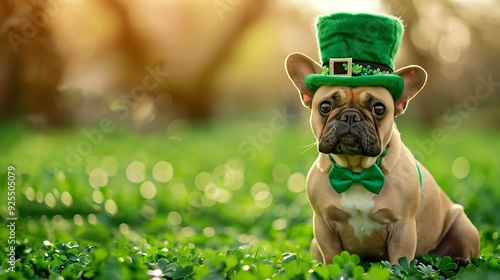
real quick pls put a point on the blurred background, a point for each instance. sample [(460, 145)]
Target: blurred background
[(178, 114), (70, 62)]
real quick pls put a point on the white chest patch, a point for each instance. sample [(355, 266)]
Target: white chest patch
[(358, 202)]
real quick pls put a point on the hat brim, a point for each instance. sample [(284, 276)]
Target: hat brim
[(393, 83)]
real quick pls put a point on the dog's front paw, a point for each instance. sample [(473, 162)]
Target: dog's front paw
[(461, 262)]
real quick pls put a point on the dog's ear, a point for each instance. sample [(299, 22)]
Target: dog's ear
[(415, 78), (298, 66)]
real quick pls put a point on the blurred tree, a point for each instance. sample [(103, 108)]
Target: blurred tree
[(453, 41), (31, 67), (193, 68), (164, 77), (172, 52), (165, 60)]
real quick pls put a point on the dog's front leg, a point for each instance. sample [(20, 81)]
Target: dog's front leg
[(327, 240), (402, 240)]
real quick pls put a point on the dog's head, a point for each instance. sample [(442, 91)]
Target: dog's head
[(352, 121)]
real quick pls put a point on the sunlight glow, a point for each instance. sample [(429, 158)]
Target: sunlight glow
[(66, 199), (281, 172), (202, 180), (29, 193), (330, 6), (92, 219), (209, 232), (111, 207), (460, 168), (124, 229), (97, 197), (174, 218), (178, 191), (50, 200), (98, 178), (280, 224), (78, 220), (163, 171), (148, 190), (296, 182), (110, 164), (148, 212), (136, 172)]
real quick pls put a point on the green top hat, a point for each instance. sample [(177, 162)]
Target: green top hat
[(358, 50)]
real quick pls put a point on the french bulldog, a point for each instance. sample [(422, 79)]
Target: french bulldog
[(355, 130)]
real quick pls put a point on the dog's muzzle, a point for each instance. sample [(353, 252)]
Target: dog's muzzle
[(349, 133)]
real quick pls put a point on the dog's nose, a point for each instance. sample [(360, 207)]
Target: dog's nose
[(350, 116)]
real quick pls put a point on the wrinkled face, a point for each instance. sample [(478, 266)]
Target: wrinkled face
[(352, 120)]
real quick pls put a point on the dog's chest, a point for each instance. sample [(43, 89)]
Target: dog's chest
[(358, 203)]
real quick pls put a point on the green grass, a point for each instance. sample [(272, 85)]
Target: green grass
[(210, 201)]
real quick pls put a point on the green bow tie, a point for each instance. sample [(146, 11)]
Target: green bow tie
[(341, 179)]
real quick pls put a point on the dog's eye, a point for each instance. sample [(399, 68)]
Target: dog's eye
[(325, 107), (378, 110)]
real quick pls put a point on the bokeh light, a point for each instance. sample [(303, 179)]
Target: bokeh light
[(188, 232), (296, 182), (460, 168), (194, 199), (209, 232), (174, 218), (84, 46), (39, 197), (148, 212), (60, 223), (281, 172), (148, 190), (163, 171), (110, 165), (98, 178), (66, 199), (136, 172), (262, 196), (202, 180), (50, 200), (92, 219), (448, 49), (97, 196), (280, 224), (78, 220), (29, 192), (124, 229), (111, 207), (178, 191)]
